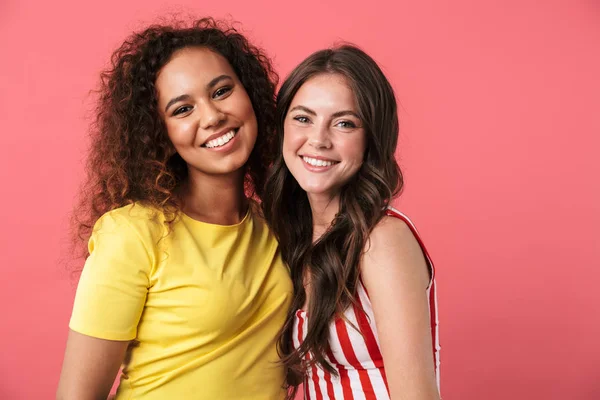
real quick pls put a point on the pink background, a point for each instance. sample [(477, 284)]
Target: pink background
[(500, 135)]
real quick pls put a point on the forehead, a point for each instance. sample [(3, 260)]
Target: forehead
[(326, 92), (191, 68)]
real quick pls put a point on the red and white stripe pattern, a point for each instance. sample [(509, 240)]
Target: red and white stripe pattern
[(355, 356)]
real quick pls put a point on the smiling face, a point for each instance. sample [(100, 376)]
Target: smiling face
[(324, 140), (207, 112)]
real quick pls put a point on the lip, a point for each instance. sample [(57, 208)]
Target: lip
[(318, 157), (314, 168), (219, 134)]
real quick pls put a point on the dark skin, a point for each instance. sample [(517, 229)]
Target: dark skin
[(200, 97)]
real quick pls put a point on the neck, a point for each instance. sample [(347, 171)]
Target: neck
[(324, 209), (216, 199)]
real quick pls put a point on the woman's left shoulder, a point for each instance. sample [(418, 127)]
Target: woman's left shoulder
[(390, 232), (393, 251)]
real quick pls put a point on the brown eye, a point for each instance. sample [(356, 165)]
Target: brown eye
[(222, 92), (182, 110)]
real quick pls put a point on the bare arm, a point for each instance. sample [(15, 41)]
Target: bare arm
[(89, 367), (396, 276), (108, 305)]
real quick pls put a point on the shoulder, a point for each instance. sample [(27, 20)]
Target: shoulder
[(391, 234), (393, 249), (128, 227), (133, 217)]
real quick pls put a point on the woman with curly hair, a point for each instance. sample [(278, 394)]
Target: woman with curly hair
[(184, 284), (363, 323)]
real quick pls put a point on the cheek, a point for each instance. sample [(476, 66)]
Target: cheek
[(181, 133), (287, 149), (242, 103), (289, 139), (292, 141), (248, 111), (241, 108), (354, 149)]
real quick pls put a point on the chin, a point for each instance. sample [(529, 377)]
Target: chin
[(223, 169), (316, 190), (235, 167)]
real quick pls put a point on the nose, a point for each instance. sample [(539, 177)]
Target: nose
[(319, 137), (210, 115)]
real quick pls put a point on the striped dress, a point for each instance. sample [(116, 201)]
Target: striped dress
[(357, 359)]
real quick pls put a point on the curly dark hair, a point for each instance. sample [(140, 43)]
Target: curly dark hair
[(131, 157), (333, 260)]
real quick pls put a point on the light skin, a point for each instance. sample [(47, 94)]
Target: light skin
[(200, 99), (322, 122)]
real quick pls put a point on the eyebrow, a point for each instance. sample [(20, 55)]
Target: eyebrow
[(216, 80), (334, 115), (305, 109), (177, 99), (209, 86), (345, 112)]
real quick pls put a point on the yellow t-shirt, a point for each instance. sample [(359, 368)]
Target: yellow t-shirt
[(203, 302)]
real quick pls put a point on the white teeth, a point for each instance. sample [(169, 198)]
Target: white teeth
[(317, 163), (220, 141)]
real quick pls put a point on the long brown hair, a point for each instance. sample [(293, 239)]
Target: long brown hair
[(131, 157), (333, 260)]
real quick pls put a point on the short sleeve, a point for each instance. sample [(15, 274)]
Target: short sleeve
[(114, 283)]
